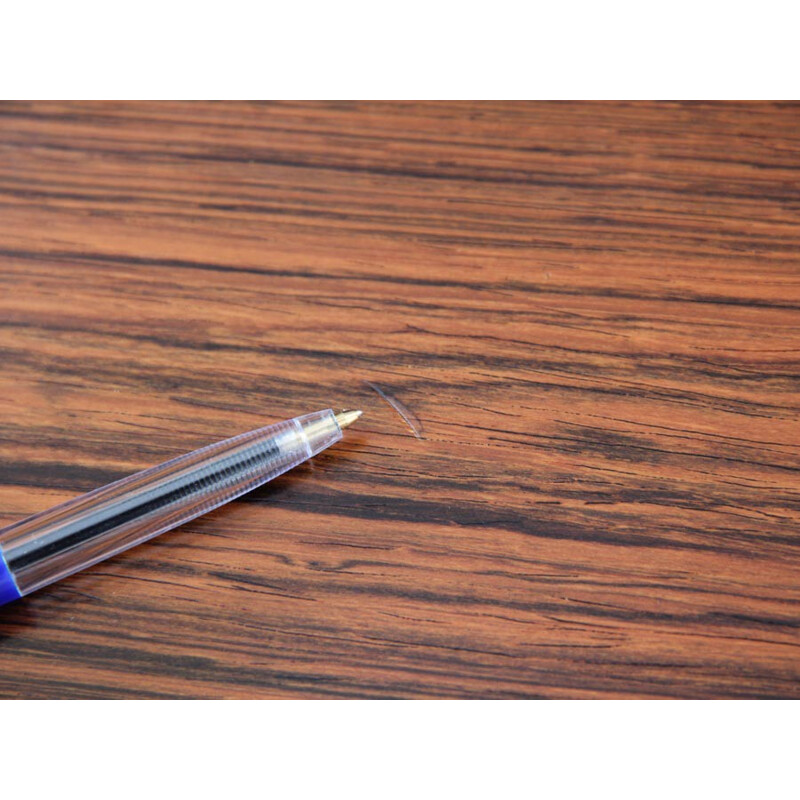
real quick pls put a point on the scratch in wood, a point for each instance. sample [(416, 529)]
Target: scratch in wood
[(405, 413)]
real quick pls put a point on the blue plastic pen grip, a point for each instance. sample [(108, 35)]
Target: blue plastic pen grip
[(8, 586)]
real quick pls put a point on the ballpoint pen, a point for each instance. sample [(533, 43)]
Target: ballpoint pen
[(48, 546)]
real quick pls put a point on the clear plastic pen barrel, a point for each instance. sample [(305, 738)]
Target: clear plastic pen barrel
[(53, 544)]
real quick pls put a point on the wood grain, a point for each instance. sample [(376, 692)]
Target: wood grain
[(592, 310)]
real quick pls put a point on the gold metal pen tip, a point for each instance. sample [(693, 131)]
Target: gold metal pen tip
[(347, 418)]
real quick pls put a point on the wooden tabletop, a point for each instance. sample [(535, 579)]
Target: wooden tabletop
[(589, 313)]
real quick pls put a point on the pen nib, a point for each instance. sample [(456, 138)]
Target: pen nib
[(347, 418)]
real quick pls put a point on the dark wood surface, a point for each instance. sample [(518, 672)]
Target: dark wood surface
[(591, 310)]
